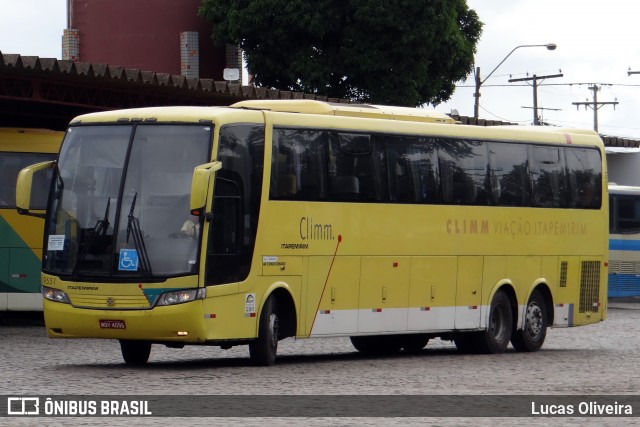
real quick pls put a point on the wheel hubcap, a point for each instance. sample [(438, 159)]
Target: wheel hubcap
[(534, 320)]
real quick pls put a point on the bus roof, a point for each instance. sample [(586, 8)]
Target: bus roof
[(253, 110), (26, 140), (166, 114), (306, 106)]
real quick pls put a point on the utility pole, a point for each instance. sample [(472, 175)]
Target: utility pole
[(595, 105), (476, 95), (479, 81), (535, 91)]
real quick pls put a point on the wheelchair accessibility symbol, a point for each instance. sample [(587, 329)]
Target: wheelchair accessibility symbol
[(128, 260)]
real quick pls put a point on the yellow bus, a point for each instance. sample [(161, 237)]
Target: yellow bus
[(20, 236), (272, 219)]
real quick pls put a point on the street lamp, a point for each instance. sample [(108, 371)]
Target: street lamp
[(476, 106)]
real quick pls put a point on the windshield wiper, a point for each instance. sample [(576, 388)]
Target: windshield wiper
[(100, 229), (133, 228)]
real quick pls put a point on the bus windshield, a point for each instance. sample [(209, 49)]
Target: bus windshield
[(120, 202)]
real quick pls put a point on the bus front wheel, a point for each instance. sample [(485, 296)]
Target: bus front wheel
[(135, 352), (263, 349), (532, 335)]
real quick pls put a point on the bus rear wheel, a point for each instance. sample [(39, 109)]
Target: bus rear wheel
[(466, 342), (413, 343), (531, 336), (135, 352), (377, 345), (263, 350), (495, 338)]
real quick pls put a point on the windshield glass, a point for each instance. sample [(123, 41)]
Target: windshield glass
[(120, 205)]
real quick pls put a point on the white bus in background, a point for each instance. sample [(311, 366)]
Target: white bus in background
[(624, 241)]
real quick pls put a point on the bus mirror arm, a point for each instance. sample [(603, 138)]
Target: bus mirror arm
[(202, 185)]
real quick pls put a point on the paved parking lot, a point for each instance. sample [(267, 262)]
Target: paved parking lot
[(595, 359)]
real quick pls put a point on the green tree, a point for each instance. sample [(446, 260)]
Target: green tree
[(398, 52)]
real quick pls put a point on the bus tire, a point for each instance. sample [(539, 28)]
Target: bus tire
[(466, 342), (363, 344), (495, 338), (531, 336), (377, 345), (263, 349), (135, 352), (413, 343)]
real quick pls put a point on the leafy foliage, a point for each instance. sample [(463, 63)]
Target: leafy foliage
[(399, 52)]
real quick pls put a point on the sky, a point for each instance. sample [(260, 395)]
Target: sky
[(597, 43)]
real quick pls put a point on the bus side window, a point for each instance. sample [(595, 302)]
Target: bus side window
[(628, 215), (299, 166), (345, 188), (584, 173), (548, 179), (463, 172), (358, 156), (10, 166), (509, 171), (8, 177), (405, 170)]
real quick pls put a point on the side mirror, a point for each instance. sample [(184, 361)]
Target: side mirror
[(24, 188), (200, 183)]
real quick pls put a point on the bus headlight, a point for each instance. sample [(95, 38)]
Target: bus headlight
[(55, 295), (181, 296)]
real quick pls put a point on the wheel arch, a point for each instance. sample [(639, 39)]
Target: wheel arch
[(507, 287), (542, 287), (287, 309)]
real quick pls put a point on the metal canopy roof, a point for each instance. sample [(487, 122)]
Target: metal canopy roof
[(48, 92)]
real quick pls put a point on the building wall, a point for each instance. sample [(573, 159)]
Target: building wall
[(624, 168), (143, 34)]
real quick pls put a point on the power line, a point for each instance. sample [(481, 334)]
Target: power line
[(558, 84), (502, 118), (541, 118)]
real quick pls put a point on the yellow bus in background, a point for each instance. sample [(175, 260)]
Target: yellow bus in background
[(272, 219), (20, 236)]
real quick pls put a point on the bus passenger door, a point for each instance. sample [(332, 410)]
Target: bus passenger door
[(468, 292), (224, 246)]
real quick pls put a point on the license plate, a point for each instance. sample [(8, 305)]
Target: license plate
[(112, 324)]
